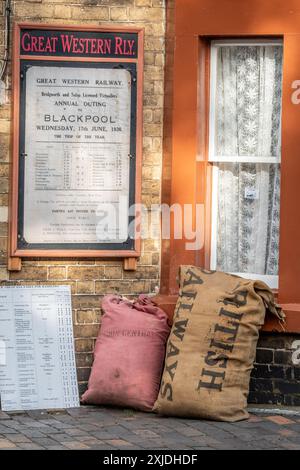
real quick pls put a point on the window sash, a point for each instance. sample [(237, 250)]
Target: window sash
[(271, 281), (212, 157)]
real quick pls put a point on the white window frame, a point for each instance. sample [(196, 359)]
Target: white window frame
[(271, 281)]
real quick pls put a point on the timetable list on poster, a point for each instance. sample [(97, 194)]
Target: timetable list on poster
[(77, 146), (38, 368)]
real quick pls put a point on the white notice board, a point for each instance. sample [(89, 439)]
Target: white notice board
[(37, 364), (77, 141)]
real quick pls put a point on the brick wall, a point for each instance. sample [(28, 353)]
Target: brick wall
[(275, 378), (91, 279)]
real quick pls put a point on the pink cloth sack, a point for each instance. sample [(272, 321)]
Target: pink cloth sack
[(129, 354)]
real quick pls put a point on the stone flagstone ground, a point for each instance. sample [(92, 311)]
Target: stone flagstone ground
[(110, 429)]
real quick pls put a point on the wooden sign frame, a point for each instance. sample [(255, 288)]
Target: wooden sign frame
[(35, 52)]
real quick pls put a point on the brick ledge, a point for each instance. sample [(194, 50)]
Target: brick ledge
[(292, 311)]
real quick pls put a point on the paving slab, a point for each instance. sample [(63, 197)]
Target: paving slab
[(99, 428)]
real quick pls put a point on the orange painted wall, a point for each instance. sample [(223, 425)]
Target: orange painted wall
[(195, 21)]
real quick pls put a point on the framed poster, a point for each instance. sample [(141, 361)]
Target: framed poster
[(77, 141)]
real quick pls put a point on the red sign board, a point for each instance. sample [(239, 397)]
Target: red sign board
[(72, 43)]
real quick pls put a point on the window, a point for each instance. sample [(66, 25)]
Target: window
[(244, 148)]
